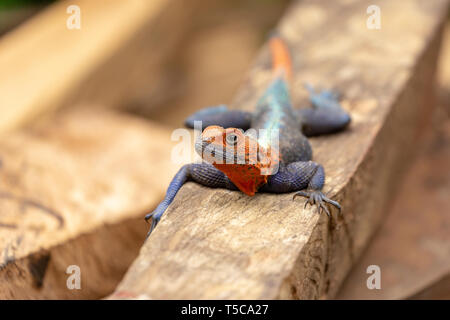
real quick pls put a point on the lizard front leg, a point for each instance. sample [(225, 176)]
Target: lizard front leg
[(203, 173), (296, 176), (220, 116)]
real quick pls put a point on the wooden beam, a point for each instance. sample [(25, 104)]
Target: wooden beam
[(218, 244), (73, 191), (114, 59)]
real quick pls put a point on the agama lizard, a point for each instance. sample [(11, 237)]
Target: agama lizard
[(247, 161)]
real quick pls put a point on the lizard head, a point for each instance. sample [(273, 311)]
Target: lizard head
[(237, 155)]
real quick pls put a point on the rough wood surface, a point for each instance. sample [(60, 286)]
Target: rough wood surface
[(225, 245), (73, 191), (114, 59)]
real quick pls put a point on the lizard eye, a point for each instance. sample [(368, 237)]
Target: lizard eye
[(232, 139)]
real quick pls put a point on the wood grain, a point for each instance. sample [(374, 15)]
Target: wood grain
[(218, 244), (113, 60), (74, 189)]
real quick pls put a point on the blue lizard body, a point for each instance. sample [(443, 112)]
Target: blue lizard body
[(296, 171)]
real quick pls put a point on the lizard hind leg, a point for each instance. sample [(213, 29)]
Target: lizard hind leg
[(326, 115)]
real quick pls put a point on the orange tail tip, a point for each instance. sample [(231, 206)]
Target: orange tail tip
[(282, 63)]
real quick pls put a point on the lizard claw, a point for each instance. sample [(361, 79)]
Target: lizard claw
[(155, 219), (319, 199), (156, 216)]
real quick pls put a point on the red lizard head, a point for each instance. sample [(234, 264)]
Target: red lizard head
[(237, 155)]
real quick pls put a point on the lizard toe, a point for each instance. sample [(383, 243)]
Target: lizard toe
[(317, 198)]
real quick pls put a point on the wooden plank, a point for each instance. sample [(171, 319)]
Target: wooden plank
[(218, 244), (73, 191), (114, 59)]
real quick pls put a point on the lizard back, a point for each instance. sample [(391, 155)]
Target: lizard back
[(274, 117)]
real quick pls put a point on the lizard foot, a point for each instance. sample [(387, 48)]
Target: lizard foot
[(319, 199), (156, 216), (155, 219)]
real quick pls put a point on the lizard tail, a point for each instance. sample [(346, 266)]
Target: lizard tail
[(281, 59)]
